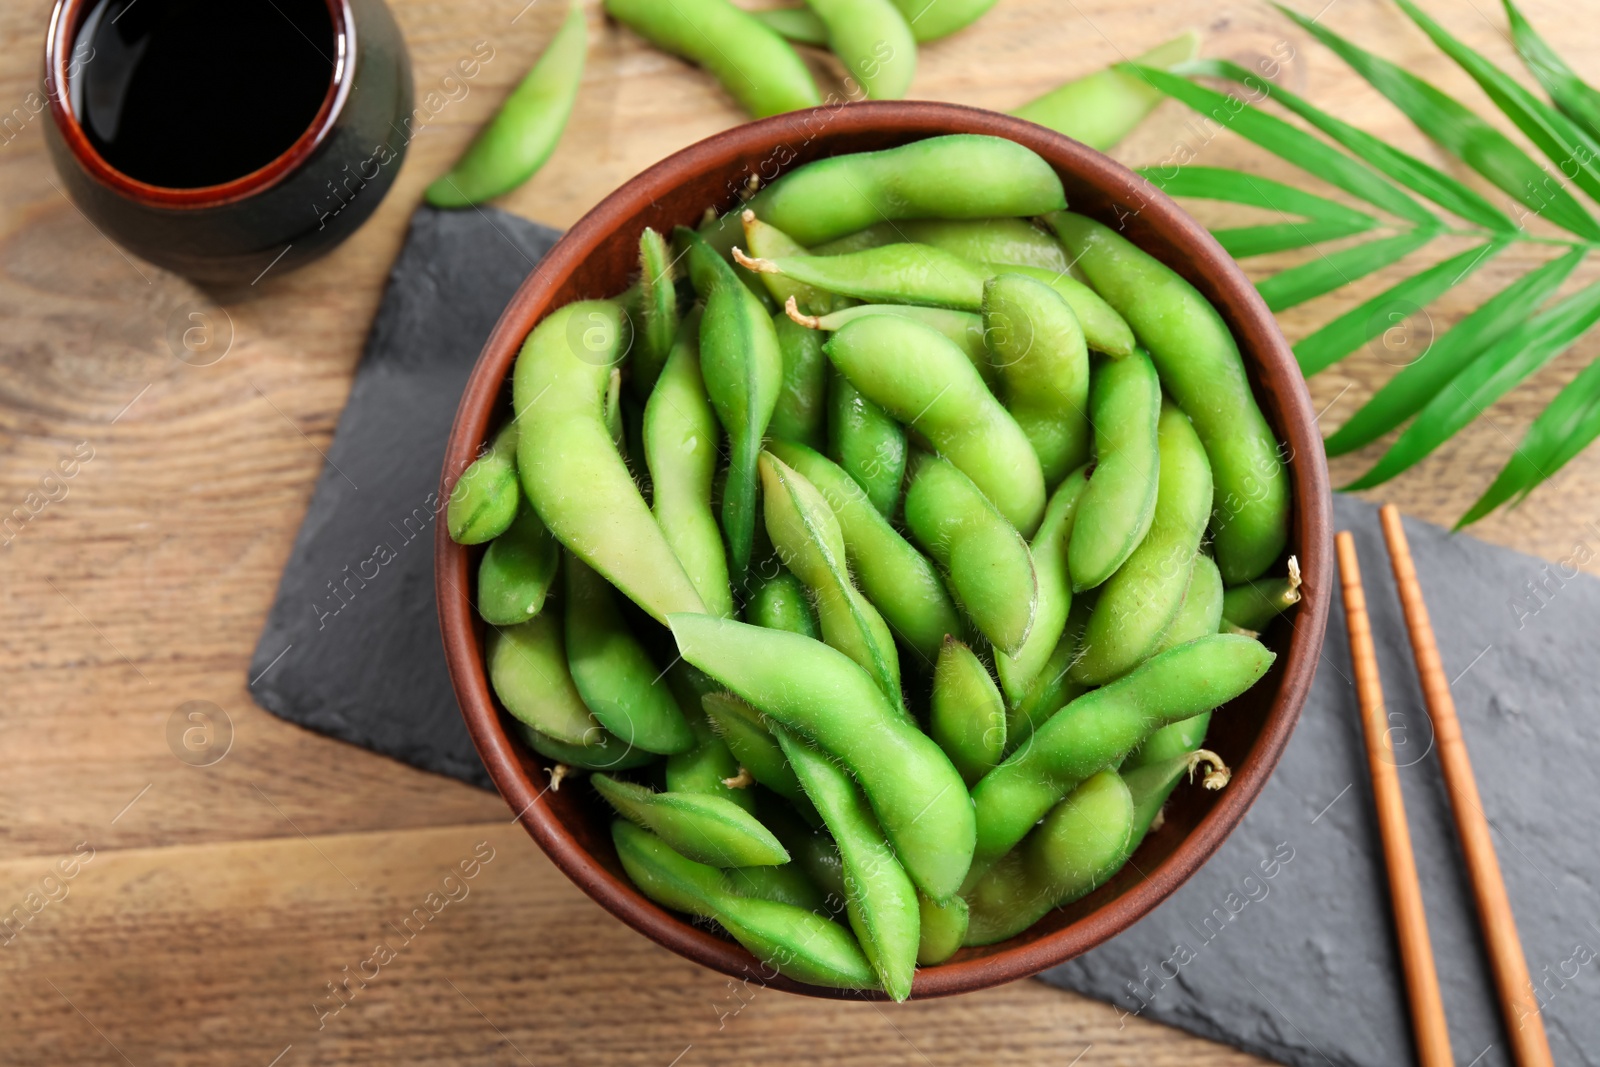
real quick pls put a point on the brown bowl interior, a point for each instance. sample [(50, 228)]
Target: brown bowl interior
[(596, 259)]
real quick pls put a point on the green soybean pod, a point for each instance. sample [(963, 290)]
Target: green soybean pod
[(1104, 107), (485, 498), (766, 241), (527, 127), (709, 765), (873, 41), (1253, 605), (918, 376), (943, 929), (1018, 673), (705, 828), (1140, 600), (1116, 510), (880, 901), (966, 717), (1201, 368), (528, 670), (900, 581), (752, 744), (797, 943), (931, 19), (743, 372), (757, 67), (956, 176), (618, 681), (1084, 840), (1053, 688), (1152, 783), (990, 567), (1005, 241), (784, 883), (1201, 614), (812, 848), (516, 571), (1037, 346), (964, 328), (1103, 329), (680, 447), (822, 694), (797, 24), (603, 752), (658, 311), (1100, 728), (569, 468), (866, 443), (808, 541), (891, 274), (801, 413), (780, 603)]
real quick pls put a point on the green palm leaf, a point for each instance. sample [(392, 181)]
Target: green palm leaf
[(1478, 144), (1328, 272), (1242, 242), (1321, 219), (1420, 381), (1571, 94)]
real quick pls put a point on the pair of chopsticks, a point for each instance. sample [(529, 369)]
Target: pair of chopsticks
[(1524, 1024)]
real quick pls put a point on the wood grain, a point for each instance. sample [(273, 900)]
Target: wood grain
[(145, 584)]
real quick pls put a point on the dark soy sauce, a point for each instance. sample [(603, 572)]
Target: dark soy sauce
[(188, 93)]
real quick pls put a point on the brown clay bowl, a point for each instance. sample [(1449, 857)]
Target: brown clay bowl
[(595, 259)]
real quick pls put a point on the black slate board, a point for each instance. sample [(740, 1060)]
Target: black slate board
[(1299, 966)]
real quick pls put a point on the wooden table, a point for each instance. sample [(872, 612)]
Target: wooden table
[(221, 901)]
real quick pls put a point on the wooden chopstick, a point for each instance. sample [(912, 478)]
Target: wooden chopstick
[(1524, 1024), (1405, 892)]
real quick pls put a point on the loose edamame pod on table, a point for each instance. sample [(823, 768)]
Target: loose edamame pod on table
[(808, 541), (866, 442), (516, 571), (797, 943), (1084, 840), (680, 448), (743, 372), (485, 498), (822, 694), (1007, 241), (918, 376), (619, 682), (569, 467), (757, 67), (527, 127), (990, 567), (1116, 509), (1202, 370), (702, 827), (900, 581), (1100, 728), (873, 41), (1037, 346), (966, 716), (779, 603), (797, 24), (658, 311), (1019, 672), (1253, 605), (880, 900), (528, 670), (1139, 601), (1104, 107), (931, 19)]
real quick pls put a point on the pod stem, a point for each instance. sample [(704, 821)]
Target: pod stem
[(760, 266), (742, 780), (1218, 776), (558, 774), (814, 322)]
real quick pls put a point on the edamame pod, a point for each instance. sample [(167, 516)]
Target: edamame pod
[(768, 242), (872, 40), (797, 24), (880, 900), (931, 19), (528, 670), (1140, 600), (918, 376), (802, 410), (704, 828), (516, 571), (1103, 328), (1201, 368), (784, 883), (1100, 728), (807, 538), (1116, 509), (1005, 241), (569, 468), (866, 442), (613, 672), (680, 448), (485, 498), (812, 848), (1049, 550), (527, 127), (604, 752), (821, 693), (757, 67), (757, 751), (962, 327), (1253, 605), (709, 766), (899, 273), (1200, 615), (991, 570), (957, 176), (1082, 842), (967, 717), (1104, 107), (743, 372), (779, 603), (658, 311), (900, 581), (943, 928), (1151, 785), (795, 942), (1037, 346), (1053, 688)]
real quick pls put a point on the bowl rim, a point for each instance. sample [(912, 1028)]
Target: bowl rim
[(1266, 353)]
